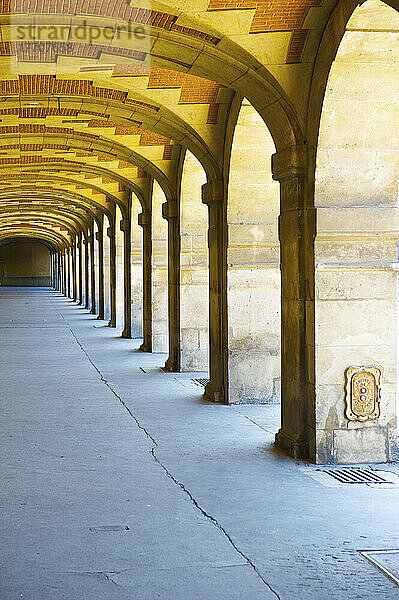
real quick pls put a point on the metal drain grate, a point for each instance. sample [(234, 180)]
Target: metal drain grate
[(349, 475), (202, 381), (355, 475)]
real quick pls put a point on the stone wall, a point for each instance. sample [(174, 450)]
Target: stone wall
[(357, 237)]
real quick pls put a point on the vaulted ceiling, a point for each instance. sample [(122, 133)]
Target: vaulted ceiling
[(88, 114)]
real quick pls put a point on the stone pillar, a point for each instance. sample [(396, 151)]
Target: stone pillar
[(57, 260), (213, 197), (86, 272), (64, 272), (80, 272), (296, 234), (59, 271), (55, 267), (51, 269), (92, 272), (74, 286), (69, 250), (112, 274), (127, 276), (100, 241), (170, 212), (145, 222)]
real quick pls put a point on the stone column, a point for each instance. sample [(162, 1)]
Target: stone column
[(86, 272), (127, 276), (59, 272), (92, 272), (170, 212), (56, 270), (145, 222), (74, 286), (296, 233), (64, 272), (51, 269), (80, 274), (112, 274), (68, 254), (100, 240), (213, 197)]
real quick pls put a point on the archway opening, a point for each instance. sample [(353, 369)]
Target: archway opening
[(194, 297), (253, 276), (25, 262)]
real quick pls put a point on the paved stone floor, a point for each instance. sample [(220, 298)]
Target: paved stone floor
[(120, 483)]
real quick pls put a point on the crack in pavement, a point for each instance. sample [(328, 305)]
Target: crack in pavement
[(252, 421), (105, 574), (209, 517)]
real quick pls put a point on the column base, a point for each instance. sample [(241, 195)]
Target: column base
[(172, 366), (214, 393), (92, 312), (146, 347), (295, 446), (100, 317), (111, 323), (126, 334)]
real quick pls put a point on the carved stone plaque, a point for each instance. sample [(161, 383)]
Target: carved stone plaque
[(362, 393)]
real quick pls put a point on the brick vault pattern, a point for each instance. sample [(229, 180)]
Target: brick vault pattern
[(274, 15)]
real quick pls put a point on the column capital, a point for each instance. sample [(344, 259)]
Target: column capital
[(170, 210), (144, 219), (98, 236), (289, 162), (110, 232), (124, 225), (213, 192)]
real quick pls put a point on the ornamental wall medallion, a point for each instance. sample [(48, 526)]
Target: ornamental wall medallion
[(362, 393)]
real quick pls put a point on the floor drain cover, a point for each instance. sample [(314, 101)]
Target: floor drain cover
[(201, 381), (386, 561), (351, 475), (357, 475)]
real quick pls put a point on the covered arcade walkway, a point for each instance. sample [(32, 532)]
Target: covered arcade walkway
[(119, 482)]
